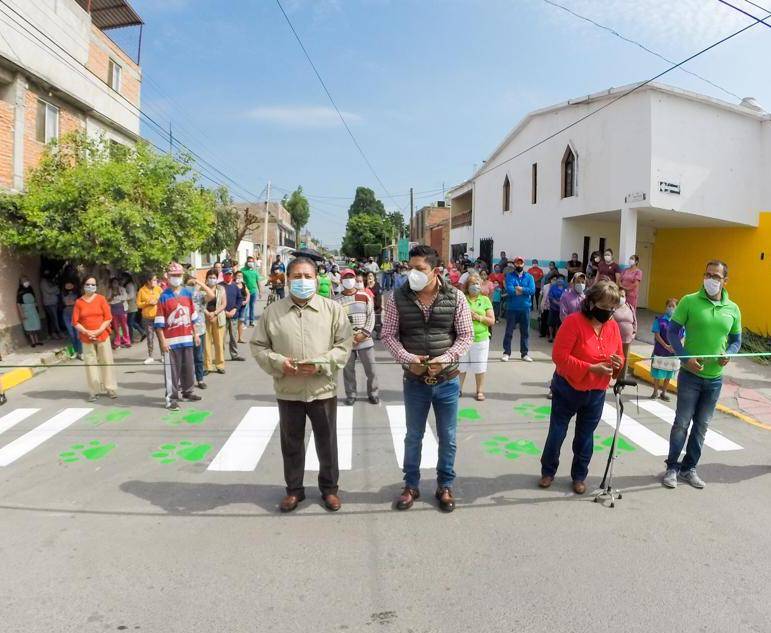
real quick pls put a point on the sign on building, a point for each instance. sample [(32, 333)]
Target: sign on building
[(669, 187), (404, 249)]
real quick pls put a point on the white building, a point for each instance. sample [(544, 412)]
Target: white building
[(627, 177)]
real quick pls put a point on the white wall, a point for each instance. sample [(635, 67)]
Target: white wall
[(70, 27)]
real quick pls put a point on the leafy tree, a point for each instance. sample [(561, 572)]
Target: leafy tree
[(396, 220), (130, 208), (365, 229), (250, 219), (299, 208), (366, 202), (225, 224)]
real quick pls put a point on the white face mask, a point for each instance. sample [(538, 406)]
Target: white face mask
[(712, 286), (175, 282), (250, 264), (417, 280), (632, 262), (349, 282), (622, 301), (608, 259), (89, 288), (211, 281), (579, 288), (360, 285), (25, 284)]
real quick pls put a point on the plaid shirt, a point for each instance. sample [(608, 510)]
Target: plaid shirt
[(464, 332)]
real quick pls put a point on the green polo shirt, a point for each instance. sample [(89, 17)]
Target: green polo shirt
[(480, 304), (251, 278), (707, 326)]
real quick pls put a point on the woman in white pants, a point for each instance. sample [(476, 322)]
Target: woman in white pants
[(482, 317)]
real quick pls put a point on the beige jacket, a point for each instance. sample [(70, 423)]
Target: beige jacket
[(318, 332)]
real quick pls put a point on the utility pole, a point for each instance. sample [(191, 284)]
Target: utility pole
[(171, 140), (265, 222), (412, 212)]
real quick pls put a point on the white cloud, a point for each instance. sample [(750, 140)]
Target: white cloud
[(301, 116)]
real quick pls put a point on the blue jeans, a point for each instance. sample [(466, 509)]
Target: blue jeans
[(198, 357), (74, 338), (567, 402), (696, 400), (250, 312), (516, 318), (418, 398), (135, 323)]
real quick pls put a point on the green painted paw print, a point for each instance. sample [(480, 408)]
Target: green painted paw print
[(537, 412), (190, 452), (91, 451), (622, 446), (469, 414), (501, 445), (191, 416), (110, 416)]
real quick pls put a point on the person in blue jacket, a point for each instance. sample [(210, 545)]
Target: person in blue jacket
[(520, 288)]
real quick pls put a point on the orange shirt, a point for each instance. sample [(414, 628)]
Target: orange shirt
[(91, 315)]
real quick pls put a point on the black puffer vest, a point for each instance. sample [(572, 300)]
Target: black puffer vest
[(431, 337)]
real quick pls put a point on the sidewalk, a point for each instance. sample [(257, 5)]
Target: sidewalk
[(746, 384), (50, 353)]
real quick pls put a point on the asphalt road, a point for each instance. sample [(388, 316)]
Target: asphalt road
[(122, 517)]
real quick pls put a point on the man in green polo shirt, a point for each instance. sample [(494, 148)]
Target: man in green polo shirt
[(713, 327), (252, 281)]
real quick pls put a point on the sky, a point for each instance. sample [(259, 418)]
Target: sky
[(427, 87)]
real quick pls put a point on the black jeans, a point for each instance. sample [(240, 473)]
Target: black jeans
[(323, 416)]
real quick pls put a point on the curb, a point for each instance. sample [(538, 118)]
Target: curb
[(642, 370), (17, 376)]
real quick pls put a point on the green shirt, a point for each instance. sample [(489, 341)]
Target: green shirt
[(251, 278), (325, 286), (480, 305), (707, 326)]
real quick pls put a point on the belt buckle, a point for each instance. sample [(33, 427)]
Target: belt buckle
[(430, 380)]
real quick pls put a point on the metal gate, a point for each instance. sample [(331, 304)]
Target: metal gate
[(458, 251), (486, 251)]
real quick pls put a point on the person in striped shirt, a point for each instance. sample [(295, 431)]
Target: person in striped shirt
[(173, 324)]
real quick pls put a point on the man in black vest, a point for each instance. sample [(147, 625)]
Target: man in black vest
[(427, 327)]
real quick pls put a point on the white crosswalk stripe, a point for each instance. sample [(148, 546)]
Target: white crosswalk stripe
[(397, 419), (344, 442), (712, 439), (34, 438), (14, 417), (244, 448), (636, 432)]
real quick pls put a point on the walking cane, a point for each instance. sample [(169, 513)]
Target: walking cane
[(606, 490)]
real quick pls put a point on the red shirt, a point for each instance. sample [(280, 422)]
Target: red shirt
[(496, 278), (577, 346), (91, 315), (536, 272)]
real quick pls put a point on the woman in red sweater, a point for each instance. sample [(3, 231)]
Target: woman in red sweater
[(587, 353)]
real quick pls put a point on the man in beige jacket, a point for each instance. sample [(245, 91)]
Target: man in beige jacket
[(303, 341)]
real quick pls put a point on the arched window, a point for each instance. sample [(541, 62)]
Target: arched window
[(568, 173), (506, 194)]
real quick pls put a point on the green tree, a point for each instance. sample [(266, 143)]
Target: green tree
[(362, 230), (130, 208), (299, 208), (225, 224), (365, 202), (396, 220)]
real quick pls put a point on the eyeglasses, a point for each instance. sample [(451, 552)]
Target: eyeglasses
[(714, 276)]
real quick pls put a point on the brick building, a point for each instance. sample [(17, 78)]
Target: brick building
[(59, 72), (431, 225)]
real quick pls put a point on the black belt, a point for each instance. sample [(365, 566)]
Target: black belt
[(432, 380)]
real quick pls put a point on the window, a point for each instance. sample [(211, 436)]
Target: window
[(568, 173), (506, 194), (46, 122), (114, 71), (534, 184)]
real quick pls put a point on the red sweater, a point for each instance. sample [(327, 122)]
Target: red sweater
[(577, 346)]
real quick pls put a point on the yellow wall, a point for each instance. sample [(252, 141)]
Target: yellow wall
[(679, 256)]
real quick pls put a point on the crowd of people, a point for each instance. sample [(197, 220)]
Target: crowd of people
[(435, 321)]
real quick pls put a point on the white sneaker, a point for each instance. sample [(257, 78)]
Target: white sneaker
[(670, 478), (149, 361), (527, 358), (505, 358), (692, 478)]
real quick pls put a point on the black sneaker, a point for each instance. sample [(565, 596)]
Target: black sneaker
[(350, 400), (238, 358), (201, 385), (374, 400), (192, 397), (173, 406)]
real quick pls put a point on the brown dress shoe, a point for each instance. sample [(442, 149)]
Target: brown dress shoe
[(545, 481), (405, 500), (446, 500), (332, 502), (579, 487), (290, 502)]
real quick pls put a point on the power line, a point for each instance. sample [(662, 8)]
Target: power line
[(334, 105), (624, 94), (614, 32), (749, 15)]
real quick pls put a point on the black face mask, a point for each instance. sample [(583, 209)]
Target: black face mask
[(519, 269), (602, 315)]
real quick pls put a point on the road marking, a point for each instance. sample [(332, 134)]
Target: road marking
[(14, 417), (712, 439), (397, 419), (34, 438), (246, 444), (640, 435), (344, 442)]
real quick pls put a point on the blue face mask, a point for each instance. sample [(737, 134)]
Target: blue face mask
[(303, 288)]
